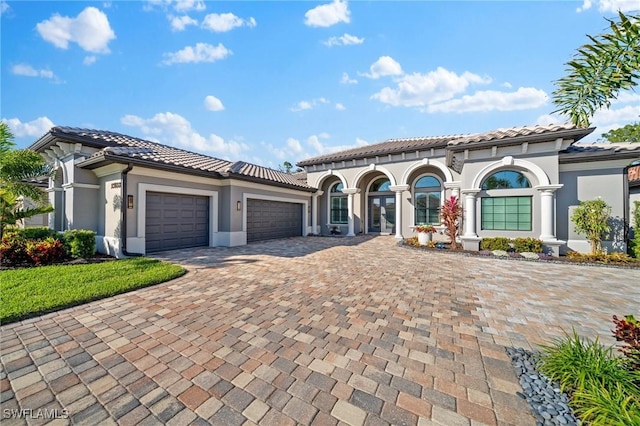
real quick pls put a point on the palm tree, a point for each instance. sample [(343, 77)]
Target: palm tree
[(18, 170), (599, 70)]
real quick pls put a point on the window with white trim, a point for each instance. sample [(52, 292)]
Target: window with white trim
[(338, 210), (427, 193)]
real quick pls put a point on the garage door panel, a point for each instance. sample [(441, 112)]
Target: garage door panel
[(176, 221), (273, 219)]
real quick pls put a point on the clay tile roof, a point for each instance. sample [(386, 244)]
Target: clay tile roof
[(390, 146), (512, 132), (124, 146)]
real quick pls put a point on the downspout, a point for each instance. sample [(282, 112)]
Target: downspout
[(123, 209)]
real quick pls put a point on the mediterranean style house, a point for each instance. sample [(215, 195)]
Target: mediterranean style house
[(140, 196)]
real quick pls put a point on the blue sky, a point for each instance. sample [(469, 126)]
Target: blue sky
[(266, 81)]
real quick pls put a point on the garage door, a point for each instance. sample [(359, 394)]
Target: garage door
[(267, 220), (176, 221)]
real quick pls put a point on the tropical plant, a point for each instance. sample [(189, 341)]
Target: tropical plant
[(599, 70), (451, 212), (592, 218), (18, 168), (425, 228), (628, 331), (635, 243), (628, 133)]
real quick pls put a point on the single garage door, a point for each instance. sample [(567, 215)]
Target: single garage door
[(176, 221), (267, 220)]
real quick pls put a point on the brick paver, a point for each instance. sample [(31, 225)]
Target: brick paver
[(308, 331)]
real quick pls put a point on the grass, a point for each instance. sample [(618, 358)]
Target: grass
[(29, 292), (602, 389)]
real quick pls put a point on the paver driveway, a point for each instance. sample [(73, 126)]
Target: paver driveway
[(309, 331)]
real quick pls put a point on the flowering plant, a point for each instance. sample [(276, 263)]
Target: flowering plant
[(425, 228)]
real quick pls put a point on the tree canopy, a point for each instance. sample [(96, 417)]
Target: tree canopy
[(628, 133), (600, 70), (18, 168)]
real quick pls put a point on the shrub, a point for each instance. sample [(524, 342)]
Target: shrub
[(530, 245), (38, 233), (635, 243), (615, 257), (13, 250), (80, 243), (592, 219), (628, 331), (497, 243), (46, 251)]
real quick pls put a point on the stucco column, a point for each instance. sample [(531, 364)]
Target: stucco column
[(314, 211), (470, 212), (350, 192), (399, 189), (547, 211), (454, 187)]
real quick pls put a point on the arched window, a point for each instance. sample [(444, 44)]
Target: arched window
[(339, 210), (427, 193), (507, 213), (506, 179), (380, 185)]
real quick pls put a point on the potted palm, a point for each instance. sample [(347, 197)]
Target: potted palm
[(424, 233)]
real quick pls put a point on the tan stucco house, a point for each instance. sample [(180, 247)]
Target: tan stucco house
[(141, 196)]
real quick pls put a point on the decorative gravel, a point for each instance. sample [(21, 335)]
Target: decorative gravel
[(550, 406)]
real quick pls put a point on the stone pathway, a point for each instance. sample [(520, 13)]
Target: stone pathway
[(307, 331)]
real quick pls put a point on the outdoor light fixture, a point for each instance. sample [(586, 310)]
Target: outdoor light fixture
[(129, 201), (239, 205)]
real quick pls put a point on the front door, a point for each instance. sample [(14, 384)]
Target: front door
[(382, 213)]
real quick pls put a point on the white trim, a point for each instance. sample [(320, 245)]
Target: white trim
[(425, 163), (80, 185), (327, 175), (143, 188), (510, 162), (618, 165), (372, 168), (246, 196), (170, 175)]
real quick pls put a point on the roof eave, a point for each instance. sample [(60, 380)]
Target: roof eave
[(574, 134), (605, 154), (269, 182)]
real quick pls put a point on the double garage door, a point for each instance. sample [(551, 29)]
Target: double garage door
[(176, 221), (267, 220)]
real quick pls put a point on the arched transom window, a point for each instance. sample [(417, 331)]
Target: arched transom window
[(427, 193), (380, 185), (338, 208), (510, 212)]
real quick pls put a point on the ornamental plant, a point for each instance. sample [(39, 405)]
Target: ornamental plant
[(628, 331), (451, 212), (592, 219), (425, 228)]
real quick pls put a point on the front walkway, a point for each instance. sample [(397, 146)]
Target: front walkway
[(310, 331)]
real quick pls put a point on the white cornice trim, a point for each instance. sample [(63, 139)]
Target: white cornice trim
[(80, 185), (109, 170), (594, 165)]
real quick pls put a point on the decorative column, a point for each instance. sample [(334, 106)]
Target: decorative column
[(314, 211), (470, 240), (470, 212), (350, 192), (547, 217), (454, 187), (399, 189)]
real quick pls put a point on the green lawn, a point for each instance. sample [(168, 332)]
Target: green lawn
[(29, 292)]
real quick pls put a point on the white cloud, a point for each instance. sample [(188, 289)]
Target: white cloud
[(611, 5), (173, 129), (347, 80), (340, 107), (550, 119), (89, 60), (343, 40), (425, 89), (3, 7), (177, 5), (90, 30), (213, 104), (305, 105), (179, 23), (224, 22), (34, 128), (507, 85), (384, 66), (492, 100), (361, 142), (328, 14), (294, 145), (201, 52), (28, 71)]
